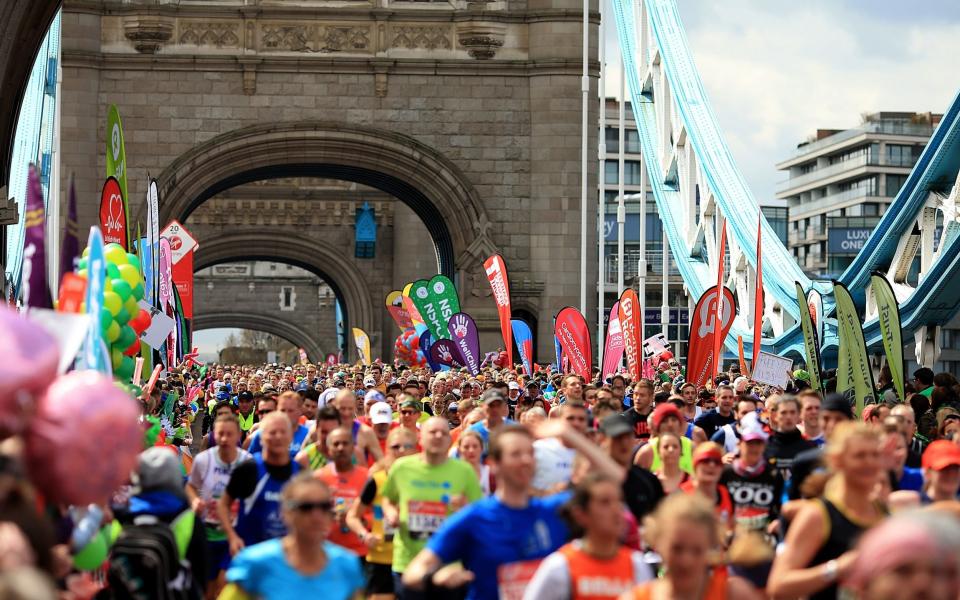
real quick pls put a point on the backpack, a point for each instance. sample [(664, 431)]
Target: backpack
[(146, 564)]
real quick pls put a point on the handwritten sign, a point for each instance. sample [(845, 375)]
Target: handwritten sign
[(772, 369)]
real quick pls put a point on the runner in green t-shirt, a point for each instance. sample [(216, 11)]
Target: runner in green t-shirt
[(422, 490)]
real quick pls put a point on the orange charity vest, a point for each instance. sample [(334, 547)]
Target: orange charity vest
[(598, 579), (716, 587)]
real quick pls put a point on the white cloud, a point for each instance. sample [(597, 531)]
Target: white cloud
[(775, 72)]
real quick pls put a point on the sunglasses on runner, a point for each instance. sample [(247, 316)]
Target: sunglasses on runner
[(265, 411), (397, 447), (324, 506), (711, 461), (407, 413)]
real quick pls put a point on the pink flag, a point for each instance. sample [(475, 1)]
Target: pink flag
[(613, 352)]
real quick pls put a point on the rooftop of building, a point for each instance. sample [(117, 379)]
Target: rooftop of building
[(913, 124)]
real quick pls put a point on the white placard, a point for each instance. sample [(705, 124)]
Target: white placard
[(772, 369), (655, 344), (69, 329), (160, 326), (181, 242)]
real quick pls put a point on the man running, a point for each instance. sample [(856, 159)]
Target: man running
[(501, 539), (712, 420), (289, 404), (554, 457), (421, 492), (363, 437), (345, 481), (497, 409), (208, 479), (257, 484), (642, 407)]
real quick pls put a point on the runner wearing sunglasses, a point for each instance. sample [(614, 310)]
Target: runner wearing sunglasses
[(302, 563)]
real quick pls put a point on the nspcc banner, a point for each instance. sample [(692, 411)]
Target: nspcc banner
[(436, 301)]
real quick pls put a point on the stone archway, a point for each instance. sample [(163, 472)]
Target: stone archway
[(413, 172), (260, 322), (314, 255)]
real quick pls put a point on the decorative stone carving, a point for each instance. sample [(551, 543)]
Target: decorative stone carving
[(148, 33), (482, 40), (292, 38), (220, 35), (315, 38), (429, 37)]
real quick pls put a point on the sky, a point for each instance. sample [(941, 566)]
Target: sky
[(776, 71)]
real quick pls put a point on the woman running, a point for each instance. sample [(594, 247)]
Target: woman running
[(596, 565), (670, 474), (707, 469), (470, 449), (684, 532), (817, 550), (302, 563)]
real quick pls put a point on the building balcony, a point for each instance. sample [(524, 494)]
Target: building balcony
[(834, 202), (852, 167), (882, 127)]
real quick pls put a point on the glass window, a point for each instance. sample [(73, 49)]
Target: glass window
[(899, 155), (894, 183), (631, 172)]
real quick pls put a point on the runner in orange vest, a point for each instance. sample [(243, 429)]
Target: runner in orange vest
[(684, 531), (596, 566)]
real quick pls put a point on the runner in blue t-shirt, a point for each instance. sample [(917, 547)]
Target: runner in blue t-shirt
[(497, 410), (289, 403), (502, 539)]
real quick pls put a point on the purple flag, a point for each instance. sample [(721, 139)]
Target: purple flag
[(70, 249), (463, 331), (36, 292), (445, 352)]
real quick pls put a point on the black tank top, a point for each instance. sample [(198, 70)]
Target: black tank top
[(842, 535)]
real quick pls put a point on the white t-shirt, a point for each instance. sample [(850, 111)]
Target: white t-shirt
[(210, 475), (552, 579), (554, 463)]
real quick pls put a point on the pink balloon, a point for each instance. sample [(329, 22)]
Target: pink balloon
[(28, 363), (84, 441)]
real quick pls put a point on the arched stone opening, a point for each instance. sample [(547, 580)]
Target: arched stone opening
[(409, 170), (259, 322), (325, 261)]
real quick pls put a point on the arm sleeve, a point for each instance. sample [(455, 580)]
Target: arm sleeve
[(719, 436), (243, 480), (369, 492), (551, 581)]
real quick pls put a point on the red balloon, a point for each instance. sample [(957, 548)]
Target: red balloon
[(64, 447), (133, 349)]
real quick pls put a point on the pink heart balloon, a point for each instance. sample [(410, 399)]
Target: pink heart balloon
[(83, 442), (28, 363)]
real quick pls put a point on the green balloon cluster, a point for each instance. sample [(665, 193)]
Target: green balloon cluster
[(121, 318)]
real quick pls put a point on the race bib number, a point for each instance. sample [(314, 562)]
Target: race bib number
[(425, 517), (513, 578)]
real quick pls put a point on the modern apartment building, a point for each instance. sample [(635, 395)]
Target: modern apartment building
[(840, 183)]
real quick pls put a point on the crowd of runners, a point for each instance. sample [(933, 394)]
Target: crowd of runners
[(384, 482)]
